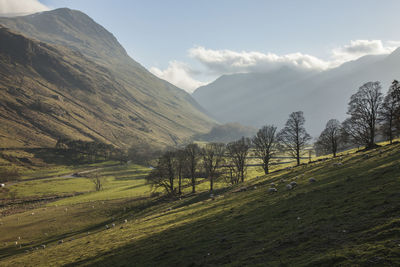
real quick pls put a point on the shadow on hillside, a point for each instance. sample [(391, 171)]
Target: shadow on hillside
[(313, 225)]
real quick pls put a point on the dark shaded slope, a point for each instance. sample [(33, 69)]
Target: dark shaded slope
[(49, 92), (130, 96)]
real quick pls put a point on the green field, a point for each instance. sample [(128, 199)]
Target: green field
[(349, 217)]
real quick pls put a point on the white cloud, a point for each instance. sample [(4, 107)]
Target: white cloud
[(359, 48), (179, 74), (228, 61), (21, 7), (219, 62)]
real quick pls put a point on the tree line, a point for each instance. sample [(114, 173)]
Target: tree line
[(90, 151), (227, 161), (369, 114)]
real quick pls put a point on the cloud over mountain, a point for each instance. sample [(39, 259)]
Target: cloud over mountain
[(21, 7), (359, 48), (219, 62), (180, 74), (228, 61)]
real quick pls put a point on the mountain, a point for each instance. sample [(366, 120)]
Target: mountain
[(226, 133), (257, 99), (64, 75)]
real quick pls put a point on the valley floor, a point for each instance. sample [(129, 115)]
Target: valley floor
[(348, 217)]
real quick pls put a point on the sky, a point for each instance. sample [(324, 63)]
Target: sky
[(191, 43)]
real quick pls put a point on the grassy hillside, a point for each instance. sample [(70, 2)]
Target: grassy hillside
[(78, 82), (349, 217)]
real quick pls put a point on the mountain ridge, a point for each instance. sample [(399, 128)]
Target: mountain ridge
[(119, 101), (271, 97)]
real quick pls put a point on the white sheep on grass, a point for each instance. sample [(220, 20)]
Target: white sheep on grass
[(272, 190)]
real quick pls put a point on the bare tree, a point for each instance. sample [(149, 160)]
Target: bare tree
[(330, 138), (97, 181), (180, 164), (294, 137), (237, 152), (163, 175), (213, 158), (396, 96), (192, 153), (230, 175), (389, 109), (265, 145), (363, 109)]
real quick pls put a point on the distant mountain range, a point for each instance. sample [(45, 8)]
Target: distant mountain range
[(64, 75), (257, 99)]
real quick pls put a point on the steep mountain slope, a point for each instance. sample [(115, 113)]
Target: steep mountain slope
[(79, 83), (269, 97)]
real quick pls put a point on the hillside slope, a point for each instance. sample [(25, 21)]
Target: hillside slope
[(110, 97), (349, 217), (268, 98)]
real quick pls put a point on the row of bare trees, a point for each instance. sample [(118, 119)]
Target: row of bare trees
[(370, 113), (177, 168)]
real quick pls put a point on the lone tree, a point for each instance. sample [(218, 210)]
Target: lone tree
[(363, 109), (97, 181), (237, 152), (330, 138), (389, 112), (294, 137), (192, 152), (213, 158), (265, 145)]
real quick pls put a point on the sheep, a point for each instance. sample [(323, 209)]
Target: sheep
[(312, 180), (60, 242), (113, 225), (289, 187), (272, 190), (107, 226), (126, 221), (293, 183), (43, 246), (2, 185)]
